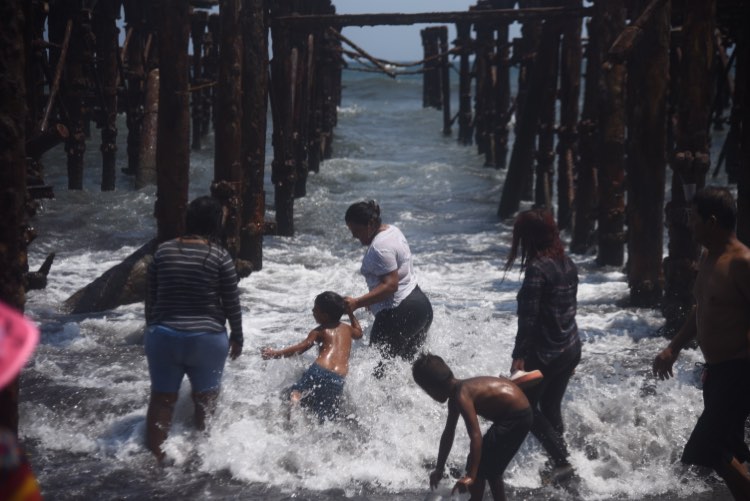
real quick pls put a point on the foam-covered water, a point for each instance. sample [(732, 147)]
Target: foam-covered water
[(84, 393)]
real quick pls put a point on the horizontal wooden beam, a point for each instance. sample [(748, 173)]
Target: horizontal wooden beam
[(471, 16)]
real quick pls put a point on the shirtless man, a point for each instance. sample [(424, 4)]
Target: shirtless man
[(720, 321), (493, 398), (320, 387)]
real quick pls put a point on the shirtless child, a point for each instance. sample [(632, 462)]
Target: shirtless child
[(720, 321), (320, 387), (495, 399)]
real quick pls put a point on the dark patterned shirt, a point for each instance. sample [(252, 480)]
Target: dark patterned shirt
[(193, 287), (547, 309)]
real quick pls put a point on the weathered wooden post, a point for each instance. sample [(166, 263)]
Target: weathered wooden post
[(12, 179), (106, 31), (586, 199), (134, 70), (445, 80), (647, 87), (691, 160), (484, 98), (173, 138), (198, 22), (284, 68), (549, 56), (522, 155), (331, 65), (210, 72), (254, 109), (463, 35), (611, 234), (228, 111), (567, 134), (430, 68), (741, 115), (502, 89)]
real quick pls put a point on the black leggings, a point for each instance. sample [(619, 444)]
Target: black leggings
[(401, 331), (546, 398)]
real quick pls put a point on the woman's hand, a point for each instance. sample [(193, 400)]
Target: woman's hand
[(517, 365), (235, 349), (435, 477), (351, 304)]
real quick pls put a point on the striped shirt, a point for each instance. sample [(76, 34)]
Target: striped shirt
[(547, 309), (193, 287)]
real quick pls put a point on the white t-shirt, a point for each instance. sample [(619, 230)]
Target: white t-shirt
[(389, 251)]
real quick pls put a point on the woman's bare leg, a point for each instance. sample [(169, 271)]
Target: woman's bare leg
[(158, 421)]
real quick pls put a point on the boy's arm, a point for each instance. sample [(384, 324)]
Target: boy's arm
[(469, 413), (356, 328), (446, 443), (295, 349)]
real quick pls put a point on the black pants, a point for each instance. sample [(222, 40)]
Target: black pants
[(401, 331), (546, 399)]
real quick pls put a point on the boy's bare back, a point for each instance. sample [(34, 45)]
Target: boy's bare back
[(490, 397), (335, 345)]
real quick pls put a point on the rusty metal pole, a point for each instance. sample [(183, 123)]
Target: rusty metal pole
[(611, 234), (228, 110), (567, 134), (106, 31), (463, 32), (198, 22), (173, 130), (254, 111), (648, 82), (691, 160), (586, 197)]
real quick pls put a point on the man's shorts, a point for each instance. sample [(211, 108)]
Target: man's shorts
[(502, 441), (172, 354), (719, 433), (321, 390)]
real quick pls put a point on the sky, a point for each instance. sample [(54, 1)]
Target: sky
[(396, 43)]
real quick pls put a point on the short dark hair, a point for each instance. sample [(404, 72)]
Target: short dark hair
[(430, 370), (331, 304), (363, 213), (718, 202)]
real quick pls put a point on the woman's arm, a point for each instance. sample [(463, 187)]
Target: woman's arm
[(386, 288), (529, 302)]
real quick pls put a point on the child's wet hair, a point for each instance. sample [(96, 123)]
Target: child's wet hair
[(363, 213), (430, 370), (331, 304)]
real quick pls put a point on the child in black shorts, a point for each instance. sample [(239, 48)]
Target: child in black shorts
[(493, 398)]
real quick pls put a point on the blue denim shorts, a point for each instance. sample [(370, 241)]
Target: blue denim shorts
[(172, 354), (321, 390)]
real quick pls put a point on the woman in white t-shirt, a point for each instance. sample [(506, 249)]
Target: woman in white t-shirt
[(403, 313)]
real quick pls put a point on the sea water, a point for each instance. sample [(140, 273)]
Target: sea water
[(84, 393)]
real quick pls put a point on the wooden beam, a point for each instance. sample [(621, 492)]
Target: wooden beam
[(509, 15)]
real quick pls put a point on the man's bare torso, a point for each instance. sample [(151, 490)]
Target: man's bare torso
[(723, 308)]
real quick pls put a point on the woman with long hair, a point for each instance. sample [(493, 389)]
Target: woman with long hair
[(403, 313), (547, 337), (192, 292)]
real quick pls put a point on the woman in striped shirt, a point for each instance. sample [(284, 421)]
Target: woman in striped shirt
[(192, 292)]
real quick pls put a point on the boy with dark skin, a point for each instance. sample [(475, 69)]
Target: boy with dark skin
[(495, 399), (324, 380), (720, 322)]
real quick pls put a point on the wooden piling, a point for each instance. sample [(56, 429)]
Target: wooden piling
[(228, 111), (255, 108), (567, 134), (106, 32), (135, 75), (431, 92), (484, 95), (445, 80), (586, 200), (741, 115), (611, 219), (691, 160), (12, 179), (173, 130), (210, 72), (146, 173), (647, 87), (502, 112), (463, 35), (198, 22), (330, 83)]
